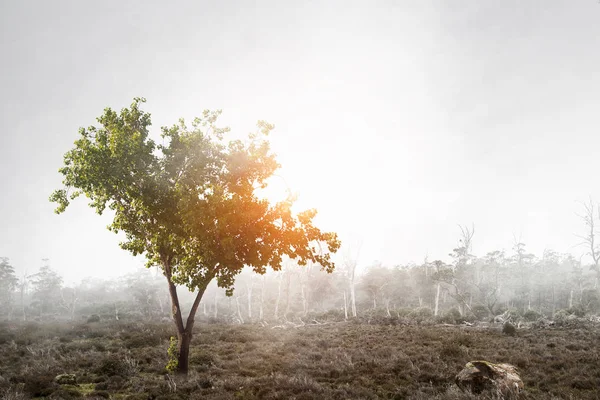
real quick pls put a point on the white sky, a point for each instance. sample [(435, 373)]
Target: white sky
[(397, 120)]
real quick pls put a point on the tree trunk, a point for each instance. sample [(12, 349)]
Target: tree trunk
[(239, 311), (249, 292), (387, 308), (304, 300), (353, 298), (287, 296), (216, 305), (278, 295), (183, 350), (262, 299), (571, 299), (437, 300), (184, 332), (160, 304), (345, 306)]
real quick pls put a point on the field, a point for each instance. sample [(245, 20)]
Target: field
[(335, 360)]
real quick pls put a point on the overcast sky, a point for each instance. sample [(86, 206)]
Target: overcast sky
[(397, 120)]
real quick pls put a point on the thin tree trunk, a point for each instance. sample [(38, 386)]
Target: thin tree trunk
[(277, 301), (287, 296), (160, 304), (345, 305), (353, 298), (387, 308), (239, 311), (437, 300), (216, 305), (249, 292), (304, 302), (262, 299), (571, 299), (553, 300)]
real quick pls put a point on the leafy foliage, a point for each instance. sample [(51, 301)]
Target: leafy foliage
[(47, 284), (173, 353), (189, 205)]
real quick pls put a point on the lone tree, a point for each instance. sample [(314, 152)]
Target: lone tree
[(190, 205)]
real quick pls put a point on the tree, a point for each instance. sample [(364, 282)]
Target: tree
[(457, 277), (350, 262), (47, 285), (522, 263), (590, 240), (490, 280), (190, 205), (8, 284)]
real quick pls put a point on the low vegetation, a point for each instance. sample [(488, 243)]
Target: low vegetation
[(388, 358)]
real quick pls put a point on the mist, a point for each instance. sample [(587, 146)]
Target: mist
[(448, 150)]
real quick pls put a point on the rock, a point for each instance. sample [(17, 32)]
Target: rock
[(66, 379), (501, 379)]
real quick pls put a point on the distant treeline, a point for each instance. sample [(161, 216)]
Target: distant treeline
[(466, 288)]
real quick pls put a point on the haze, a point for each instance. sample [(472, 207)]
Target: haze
[(396, 120)]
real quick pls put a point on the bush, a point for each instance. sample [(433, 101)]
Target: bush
[(99, 393), (509, 329), (93, 318), (66, 393), (39, 385), (117, 366), (421, 314), (480, 312), (452, 316), (531, 315), (451, 350), (578, 311)]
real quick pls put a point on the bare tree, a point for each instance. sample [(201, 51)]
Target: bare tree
[(68, 300), (350, 263), (589, 240)]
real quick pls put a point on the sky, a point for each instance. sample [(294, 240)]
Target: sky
[(397, 120)]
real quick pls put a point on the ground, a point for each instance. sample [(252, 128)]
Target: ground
[(335, 360)]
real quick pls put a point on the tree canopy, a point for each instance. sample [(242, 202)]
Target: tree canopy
[(190, 204)]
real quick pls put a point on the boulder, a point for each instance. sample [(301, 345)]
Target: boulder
[(65, 379), (500, 379)]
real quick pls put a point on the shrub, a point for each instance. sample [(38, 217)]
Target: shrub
[(421, 314), (39, 385), (173, 355), (99, 393), (509, 329), (117, 366), (452, 316), (531, 315), (578, 311), (480, 312), (93, 318), (452, 350), (66, 393)]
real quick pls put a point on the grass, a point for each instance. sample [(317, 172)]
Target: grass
[(349, 360)]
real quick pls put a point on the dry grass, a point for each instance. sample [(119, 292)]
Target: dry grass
[(331, 361)]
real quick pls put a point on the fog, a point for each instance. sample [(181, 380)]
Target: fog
[(470, 287), (398, 122)]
